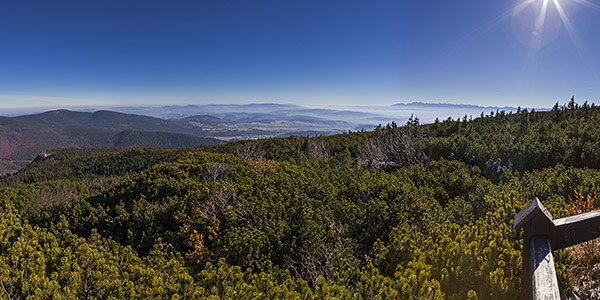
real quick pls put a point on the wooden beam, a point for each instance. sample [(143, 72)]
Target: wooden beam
[(543, 280), (576, 229)]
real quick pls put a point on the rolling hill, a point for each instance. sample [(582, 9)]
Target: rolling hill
[(23, 138)]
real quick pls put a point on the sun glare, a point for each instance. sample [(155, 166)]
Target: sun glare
[(537, 22)]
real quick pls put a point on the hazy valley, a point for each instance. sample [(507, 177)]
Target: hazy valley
[(24, 137)]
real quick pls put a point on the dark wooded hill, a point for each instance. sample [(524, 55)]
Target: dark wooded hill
[(23, 138)]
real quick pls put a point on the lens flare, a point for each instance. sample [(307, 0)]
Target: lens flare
[(573, 34), (535, 24)]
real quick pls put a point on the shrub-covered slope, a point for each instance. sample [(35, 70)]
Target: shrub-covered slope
[(367, 215)]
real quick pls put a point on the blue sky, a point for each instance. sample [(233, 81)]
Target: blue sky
[(105, 53)]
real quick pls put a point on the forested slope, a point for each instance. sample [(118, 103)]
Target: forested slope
[(364, 215), (23, 138)]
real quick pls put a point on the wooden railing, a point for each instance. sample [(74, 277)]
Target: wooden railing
[(542, 235)]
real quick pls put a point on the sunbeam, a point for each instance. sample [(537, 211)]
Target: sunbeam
[(587, 4), (493, 23), (534, 24), (565, 19), (539, 23), (574, 37), (522, 5)]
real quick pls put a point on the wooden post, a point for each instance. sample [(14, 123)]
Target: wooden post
[(542, 234), (537, 221)]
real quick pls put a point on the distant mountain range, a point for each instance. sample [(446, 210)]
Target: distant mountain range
[(345, 117), (249, 121), (24, 137), (451, 105)]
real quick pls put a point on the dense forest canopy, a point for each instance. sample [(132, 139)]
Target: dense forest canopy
[(362, 215)]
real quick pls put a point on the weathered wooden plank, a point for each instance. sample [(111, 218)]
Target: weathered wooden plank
[(526, 274), (536, 220), (576, 229), (543, 280)]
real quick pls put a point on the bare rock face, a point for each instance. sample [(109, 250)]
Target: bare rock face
[(41, 156)]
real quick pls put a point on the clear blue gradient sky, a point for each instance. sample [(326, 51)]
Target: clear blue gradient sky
[(350, 52)]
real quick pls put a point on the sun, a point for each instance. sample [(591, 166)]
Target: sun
[(537, 22)]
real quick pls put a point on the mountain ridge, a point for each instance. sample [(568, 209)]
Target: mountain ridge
[(23, 138)]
